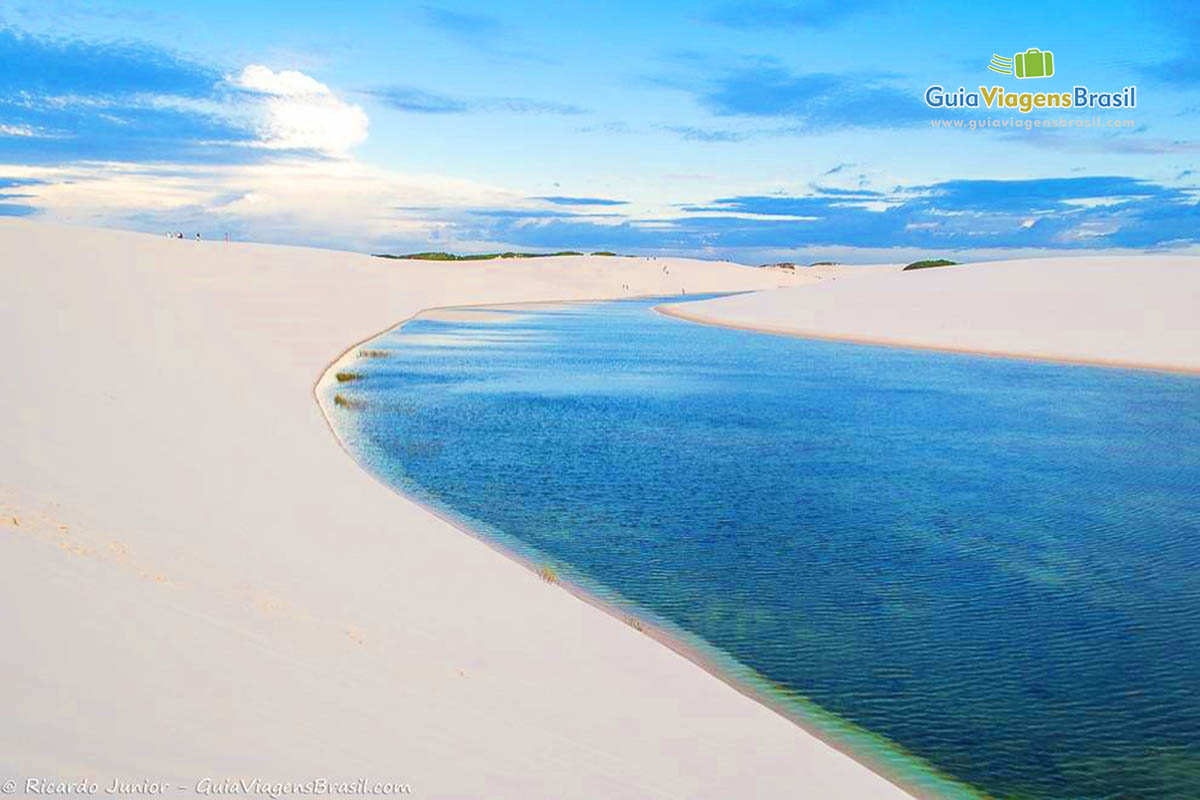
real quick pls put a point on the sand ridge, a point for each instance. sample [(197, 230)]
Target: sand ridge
[(1137, 311)]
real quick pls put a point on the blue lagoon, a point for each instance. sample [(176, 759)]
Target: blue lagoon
[(982, 576)]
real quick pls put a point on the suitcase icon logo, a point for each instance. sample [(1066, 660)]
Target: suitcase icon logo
[(1033, 63)]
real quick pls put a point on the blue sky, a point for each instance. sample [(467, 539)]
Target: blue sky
[(756, 131)]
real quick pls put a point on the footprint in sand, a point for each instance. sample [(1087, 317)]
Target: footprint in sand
[(267, 604), (83, 544), (77, 549)]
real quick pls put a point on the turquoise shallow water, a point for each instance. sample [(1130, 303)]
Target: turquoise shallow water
[(987, 567)]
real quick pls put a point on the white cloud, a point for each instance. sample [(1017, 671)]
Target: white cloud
[(16, 130), (345, 203), (296, 111)]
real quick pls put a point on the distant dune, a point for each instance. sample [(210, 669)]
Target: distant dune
[(1137, 311)]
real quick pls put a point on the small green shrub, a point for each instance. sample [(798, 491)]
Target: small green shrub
[(548, 574), (929, 262), (341, 401), (346, 377)]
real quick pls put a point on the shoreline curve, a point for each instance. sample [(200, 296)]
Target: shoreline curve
[(903, 344), (672, 640)]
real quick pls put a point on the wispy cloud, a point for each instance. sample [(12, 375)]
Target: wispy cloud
[(848, 194), (60, 12), (55, 67), (483, 33), (1130, 142), (11, 183), (10, 209), (535, 214), (815, 14), (580, 201), (613, 128), (1052, 213), (818, 101), (525, 105), (464, 24), (694, 134), (63, 98), (418, 101), (1182, 19), (812, 102), (1043, 195)]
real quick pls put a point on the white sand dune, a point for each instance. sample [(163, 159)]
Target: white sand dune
[(1141, 311), (197, 581)]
